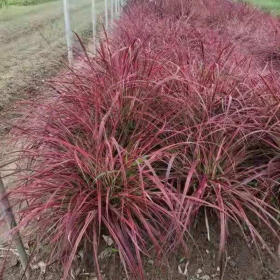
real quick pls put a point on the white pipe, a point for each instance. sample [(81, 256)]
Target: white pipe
[(94, 19), (116, 8), (112, 11), (106, 14), (68, 32)]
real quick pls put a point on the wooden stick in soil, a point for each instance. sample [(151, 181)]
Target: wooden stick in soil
[(10, 218)]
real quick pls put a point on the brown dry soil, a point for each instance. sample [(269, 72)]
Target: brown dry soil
[(242, 262), (32, 45)]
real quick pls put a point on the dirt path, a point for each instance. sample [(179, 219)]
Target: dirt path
[(32, 44)]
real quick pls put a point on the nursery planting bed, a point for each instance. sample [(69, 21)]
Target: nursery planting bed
[(160, 155)]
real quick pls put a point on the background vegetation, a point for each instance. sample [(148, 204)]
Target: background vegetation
[(272, 5), (24, 2), (3, 3)]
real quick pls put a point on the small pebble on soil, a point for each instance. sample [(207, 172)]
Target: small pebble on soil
[(232, 263)]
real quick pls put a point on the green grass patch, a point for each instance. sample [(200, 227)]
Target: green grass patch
[(270, 5), (3, 3), (25, 2)]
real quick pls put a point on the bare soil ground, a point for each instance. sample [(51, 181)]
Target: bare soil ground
[(242, 262), (32, 44)]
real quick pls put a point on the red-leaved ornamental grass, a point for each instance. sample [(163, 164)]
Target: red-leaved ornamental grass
[(171, 117), (96, 163)]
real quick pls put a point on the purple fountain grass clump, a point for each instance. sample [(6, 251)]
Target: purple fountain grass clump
[(96, 164)]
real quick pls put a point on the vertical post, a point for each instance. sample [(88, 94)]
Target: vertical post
[(112, 11), (106, 14), (11, 221), (94, 19), (116, 8), (120, 6), (68, 32)]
